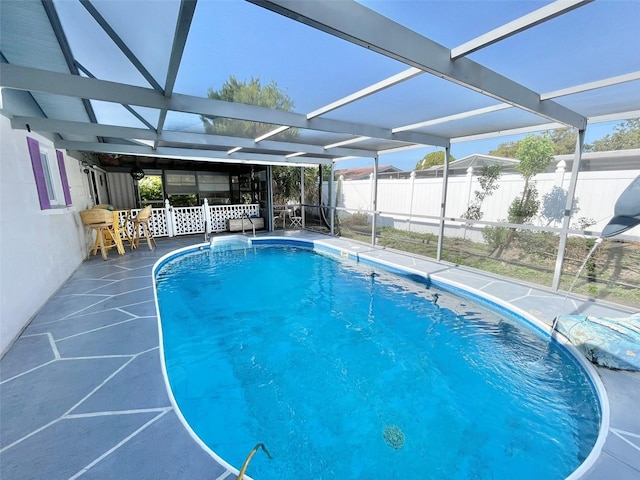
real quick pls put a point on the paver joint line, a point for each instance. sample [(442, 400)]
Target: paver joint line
[(119, 444)]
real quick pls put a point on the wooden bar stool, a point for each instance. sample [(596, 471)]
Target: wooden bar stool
[(141, 221), (102, 222)]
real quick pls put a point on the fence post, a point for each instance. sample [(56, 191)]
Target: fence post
[(412, 187), (207, 217), (169, 214)]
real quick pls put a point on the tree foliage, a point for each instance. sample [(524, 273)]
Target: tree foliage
[(625, 136), (505, 149), (432, 159), (535, 153), (524, 207), (564, 140), (286, 184), (252, 92), (488, 185), (150, 188)]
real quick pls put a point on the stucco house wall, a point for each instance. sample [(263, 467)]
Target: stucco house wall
[(40, 249)]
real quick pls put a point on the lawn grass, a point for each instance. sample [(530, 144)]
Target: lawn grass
[(612, 274)]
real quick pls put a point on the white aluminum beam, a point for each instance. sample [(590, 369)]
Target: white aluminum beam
[(585, 87), (504, 133), (451, 118), (189, 154), (26, 78), (183, 23), (346, 142), (629, 77), (360, 25), (613, 117), (111, 33), (518, 25), (365, 92), (68, 127)]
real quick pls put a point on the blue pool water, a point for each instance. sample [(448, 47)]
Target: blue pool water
[(344, 372)]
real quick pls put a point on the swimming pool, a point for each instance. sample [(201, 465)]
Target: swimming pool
[(387, 381)]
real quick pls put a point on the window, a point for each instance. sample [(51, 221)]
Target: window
[(51, 178), (151, 190), (51, 191), (213, 182), (181, 182)]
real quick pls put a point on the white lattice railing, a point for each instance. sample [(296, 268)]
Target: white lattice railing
[(157, 222), (172, 221), (219, 214), (187, 220)]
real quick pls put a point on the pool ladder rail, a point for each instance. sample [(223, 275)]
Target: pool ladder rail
[(250, 456), (253, 225)]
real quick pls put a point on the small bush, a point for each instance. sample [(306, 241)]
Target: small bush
[(495, 237), (355, 220)]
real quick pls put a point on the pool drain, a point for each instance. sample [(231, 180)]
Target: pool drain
[(394, 436)]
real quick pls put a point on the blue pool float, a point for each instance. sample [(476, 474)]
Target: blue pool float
[(608, 342)]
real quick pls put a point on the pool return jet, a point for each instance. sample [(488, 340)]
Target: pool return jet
[(610, 342)]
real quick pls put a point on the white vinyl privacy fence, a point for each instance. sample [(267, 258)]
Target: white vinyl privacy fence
[(414, 203)]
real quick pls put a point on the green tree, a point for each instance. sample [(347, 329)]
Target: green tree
[(564, 140), (488, 185), (626, 136), (150, 188), (431, 159), (535, 153), (286, 184), (252, 92), (506, 150)]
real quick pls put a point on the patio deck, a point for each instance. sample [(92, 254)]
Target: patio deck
[(82, 393)]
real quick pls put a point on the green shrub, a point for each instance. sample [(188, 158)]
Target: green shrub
[(495, 237)]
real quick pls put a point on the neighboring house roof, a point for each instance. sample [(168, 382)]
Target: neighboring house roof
[(612, 160), (364, 173), (477, 161)]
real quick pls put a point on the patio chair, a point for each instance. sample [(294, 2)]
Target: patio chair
[(101, 221), (294, 220), (279, 218), (141, 221)]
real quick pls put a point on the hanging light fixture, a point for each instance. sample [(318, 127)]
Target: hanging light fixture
[(136, 172)]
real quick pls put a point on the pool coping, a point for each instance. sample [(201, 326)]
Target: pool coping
[(483, 298)]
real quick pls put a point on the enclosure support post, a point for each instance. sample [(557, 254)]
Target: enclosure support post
[(443, 202), (269, 211), (411, 189), (374, 200), (302, 202), (332, 200), (575, 169)]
